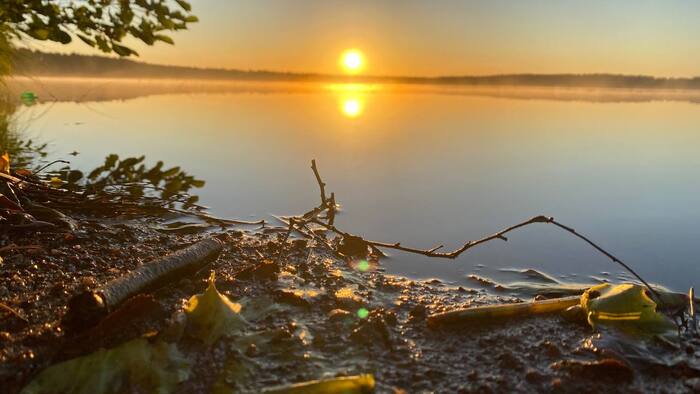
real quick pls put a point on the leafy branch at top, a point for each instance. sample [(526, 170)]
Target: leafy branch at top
[(103, 24)]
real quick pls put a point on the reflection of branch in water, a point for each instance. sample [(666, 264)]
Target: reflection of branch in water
[(312, 217)]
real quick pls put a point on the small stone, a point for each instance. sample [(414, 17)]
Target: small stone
[(533, 376), (693, 384), (339, 315), (609, 369), (556, 384), (252, 350), (550, 349)]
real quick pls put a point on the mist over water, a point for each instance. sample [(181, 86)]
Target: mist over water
[(420, 165)]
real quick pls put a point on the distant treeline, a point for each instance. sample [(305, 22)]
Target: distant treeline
[(37, 63)]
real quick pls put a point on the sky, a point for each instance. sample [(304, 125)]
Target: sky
[(438, 37)]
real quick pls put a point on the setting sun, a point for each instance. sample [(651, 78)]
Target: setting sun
[(353, 61)]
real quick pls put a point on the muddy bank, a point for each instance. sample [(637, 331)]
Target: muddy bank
[(311, 315)]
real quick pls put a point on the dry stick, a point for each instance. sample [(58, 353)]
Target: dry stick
[(299, 222), (88, 308), (50, 164), (467, 245), (321, 185), (22, 247), (14, 312), (284, 240), (499, 235)]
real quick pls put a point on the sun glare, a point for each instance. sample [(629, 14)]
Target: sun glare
[(353, 61)]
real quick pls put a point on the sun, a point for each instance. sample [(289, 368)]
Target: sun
[(352, 61)]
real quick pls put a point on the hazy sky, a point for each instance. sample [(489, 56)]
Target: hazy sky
[(431, 37)]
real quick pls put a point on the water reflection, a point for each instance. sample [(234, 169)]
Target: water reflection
[(422, 166), (352, 107), (352, 97)]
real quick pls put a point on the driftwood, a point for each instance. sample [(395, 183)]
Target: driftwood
[(487, 313), (86, 309), (302, 225)]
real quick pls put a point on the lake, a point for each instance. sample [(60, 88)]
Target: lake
[(423, 165)]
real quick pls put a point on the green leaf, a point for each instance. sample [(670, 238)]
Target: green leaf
[(111, 160), (61, 36), (86, 40), (39, 33), (103, 44), (122, 50), (156, 367), (164, 38), (191, 19), (185, 5)]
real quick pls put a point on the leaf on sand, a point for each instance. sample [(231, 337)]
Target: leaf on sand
[(344, 385), (211, 315), (5, 163), (56, 181), (625, 306), (156, 367)]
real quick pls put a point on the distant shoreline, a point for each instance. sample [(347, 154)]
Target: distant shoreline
[(95, 89), (34, 63)]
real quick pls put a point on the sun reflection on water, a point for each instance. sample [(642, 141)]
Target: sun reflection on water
[(352, 107), (352, 97)]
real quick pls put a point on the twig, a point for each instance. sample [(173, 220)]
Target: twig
[(321, 185), (499, 235), (285, 239), (13, 312), (17, 247), (50, 164)]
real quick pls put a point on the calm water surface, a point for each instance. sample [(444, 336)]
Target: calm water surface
[(424, 166)]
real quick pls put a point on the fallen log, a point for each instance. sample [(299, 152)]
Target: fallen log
[(486, 313), (88, 308)]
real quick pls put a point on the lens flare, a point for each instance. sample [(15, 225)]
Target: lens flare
[(363, 265), (362, 313)]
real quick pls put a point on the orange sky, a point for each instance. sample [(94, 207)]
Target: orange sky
[(414, 37)]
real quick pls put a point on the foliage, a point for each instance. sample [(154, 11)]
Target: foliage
[(132, 177), (151, 367), (5, 52), (103, 24), (23, 152)]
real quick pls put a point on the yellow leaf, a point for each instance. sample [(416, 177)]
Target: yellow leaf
[(5, 163), (56, 181), (343, 385), (625, 306), (211, 315)]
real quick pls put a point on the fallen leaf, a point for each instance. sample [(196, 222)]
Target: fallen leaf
[(625, 306), (342, 385), (5, 163), (56, 181), (211, 315), (152, 367)]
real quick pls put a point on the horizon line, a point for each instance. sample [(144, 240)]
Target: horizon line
[(361, 76)]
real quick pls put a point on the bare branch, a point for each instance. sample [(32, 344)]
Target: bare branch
[(321, 185)]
